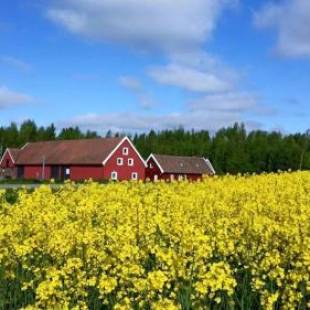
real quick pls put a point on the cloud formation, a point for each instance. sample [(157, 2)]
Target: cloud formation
[(9, 98), (176, 30), (136, 88), (231, 102), (291, 21), (165, 25), (189, 78), (133, 122), (15, 63)]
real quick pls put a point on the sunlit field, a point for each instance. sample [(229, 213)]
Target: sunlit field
[(224, 243)]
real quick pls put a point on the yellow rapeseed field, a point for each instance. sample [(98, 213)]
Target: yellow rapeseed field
[(223, 243)]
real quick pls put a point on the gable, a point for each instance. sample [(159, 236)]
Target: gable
[(152, 159), (117, 152), (7, 157), (125, 142)]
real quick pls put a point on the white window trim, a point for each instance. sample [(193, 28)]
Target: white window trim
[(120, 161), (114, 176), (125, 151), (134, 176), (131, 162)]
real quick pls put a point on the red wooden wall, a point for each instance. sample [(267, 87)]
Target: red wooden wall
[(78, 173), (35, 172), (151, 172), (124, 172), (7, 159)]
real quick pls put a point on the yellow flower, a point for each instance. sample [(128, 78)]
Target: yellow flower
[(158, 245)]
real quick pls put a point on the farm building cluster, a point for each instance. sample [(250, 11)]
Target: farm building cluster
[(97, 159)]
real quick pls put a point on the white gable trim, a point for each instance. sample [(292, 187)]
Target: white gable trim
[(156, 161), (7, 151), (209, 165), (25, 145), (116, 148)]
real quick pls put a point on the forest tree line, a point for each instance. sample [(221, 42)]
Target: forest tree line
[(231, 149)]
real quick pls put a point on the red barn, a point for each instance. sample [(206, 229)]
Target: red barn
[(99, 159), (167, 167), (7, 163)]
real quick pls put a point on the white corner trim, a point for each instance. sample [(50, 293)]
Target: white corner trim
[(7, 151), (156, 161), (209, 165), (115, 149)]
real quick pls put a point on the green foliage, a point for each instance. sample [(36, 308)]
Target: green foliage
[(231, 149), (11, 196)]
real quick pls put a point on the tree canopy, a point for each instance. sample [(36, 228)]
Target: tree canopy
[(231, 149)]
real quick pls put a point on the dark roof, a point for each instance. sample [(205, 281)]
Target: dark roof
[(67, 152), (14, 153), (183, 164)]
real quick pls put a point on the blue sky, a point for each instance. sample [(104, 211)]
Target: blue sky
[(133, 65)]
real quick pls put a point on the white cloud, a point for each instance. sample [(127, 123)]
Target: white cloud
[(176, 30), (131, 83), (133, 122), (231, 101), (166, 25), (291, 21), (9, 98), (136, 88), (16, 63), (189, 78)]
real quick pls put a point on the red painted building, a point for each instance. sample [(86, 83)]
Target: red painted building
[(98, 159), (7, 163), (165, 167)]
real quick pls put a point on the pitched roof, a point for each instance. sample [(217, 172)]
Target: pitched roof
[(14, 153), (183, 164), (67, 152)]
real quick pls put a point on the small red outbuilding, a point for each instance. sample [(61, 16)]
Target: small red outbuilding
[(98, 159), (7, 163), (165, 167)]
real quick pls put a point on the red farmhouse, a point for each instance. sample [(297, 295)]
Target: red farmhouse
[(167, 167), (99, 159)]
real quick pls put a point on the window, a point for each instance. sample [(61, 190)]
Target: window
[(171, 177), (67, 171), (134, 176), (114, 175), (151, 166), (180, 177), (120, 161), (7, 164), (125, 150), (130, 162), (20, 172), (155, 177)]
